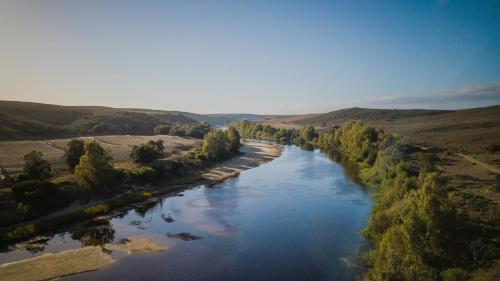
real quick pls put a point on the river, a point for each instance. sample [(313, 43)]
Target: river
[(298, 217)]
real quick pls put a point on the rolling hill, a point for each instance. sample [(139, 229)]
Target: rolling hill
[(28, 120), (356, 113)]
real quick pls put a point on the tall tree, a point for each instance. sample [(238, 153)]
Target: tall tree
[(94, 172), (75, 150)]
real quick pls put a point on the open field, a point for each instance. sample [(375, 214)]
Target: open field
[(12, 152)]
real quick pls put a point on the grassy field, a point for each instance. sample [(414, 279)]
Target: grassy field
[(12, 152)]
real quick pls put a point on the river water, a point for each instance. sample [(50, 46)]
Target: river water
[(298, 217)]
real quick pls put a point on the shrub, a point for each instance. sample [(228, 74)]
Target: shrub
[(487, 274), (143, 174), (148, 152), (454, 274), (75, 150), (162, 130), (35, 167), (36, 196)]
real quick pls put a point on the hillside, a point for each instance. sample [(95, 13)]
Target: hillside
[(217, 119), (26, 120), (356, 113)]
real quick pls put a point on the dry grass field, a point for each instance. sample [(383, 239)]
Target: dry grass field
[(12, 152)]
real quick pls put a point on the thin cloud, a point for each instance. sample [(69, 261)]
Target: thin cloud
[(467, 96)]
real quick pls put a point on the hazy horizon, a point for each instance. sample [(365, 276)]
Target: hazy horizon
[(258, 57)]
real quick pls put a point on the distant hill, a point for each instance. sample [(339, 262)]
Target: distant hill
[(217, 119), (224, 119), (27, 120), (340, 116), (474, 130)]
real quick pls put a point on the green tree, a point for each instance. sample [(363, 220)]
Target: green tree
[(308, 133), (162, 129), (215, 145), (75, 150), (94, 172), (148, 152), (35, 167), (234, 139)]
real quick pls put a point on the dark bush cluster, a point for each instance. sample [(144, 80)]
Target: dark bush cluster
[(146, 153)]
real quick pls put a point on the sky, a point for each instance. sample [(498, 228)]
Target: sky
[(265, 57)]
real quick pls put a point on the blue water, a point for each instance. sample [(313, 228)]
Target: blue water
[(298, 217)]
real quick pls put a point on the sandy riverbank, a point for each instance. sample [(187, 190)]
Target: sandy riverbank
[(49, 266), (253, 154)]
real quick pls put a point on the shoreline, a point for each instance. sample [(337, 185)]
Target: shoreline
[(253, 154)]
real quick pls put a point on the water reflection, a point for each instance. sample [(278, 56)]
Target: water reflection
[(95, 233), (299, 217)]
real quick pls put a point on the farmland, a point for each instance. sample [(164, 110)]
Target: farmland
[(12, 152)]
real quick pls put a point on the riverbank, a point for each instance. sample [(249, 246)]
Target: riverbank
[(251, 154), (300, 214)]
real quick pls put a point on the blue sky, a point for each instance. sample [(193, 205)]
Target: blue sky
[(270, 57)]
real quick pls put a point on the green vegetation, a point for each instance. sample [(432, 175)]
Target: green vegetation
[(32, 196), (417, 231), (31, 229), (194, 130), (35, 167), (216, 145), (162, 129), (94, 172), (96, 176), (146, 153), (248, 129), (75, 149), (234, 139), (302, 137)]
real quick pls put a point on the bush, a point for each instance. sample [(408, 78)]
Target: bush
[(487, 274), (162, 130), (148, 152), (35, 167), (454, 274), (75, 150), (143, 174), (36, 196)]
